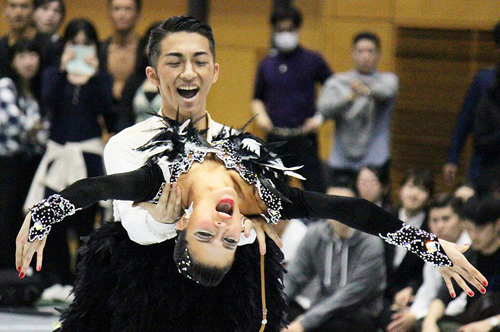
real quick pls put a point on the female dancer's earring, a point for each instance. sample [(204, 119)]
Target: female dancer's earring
[(189, 211)]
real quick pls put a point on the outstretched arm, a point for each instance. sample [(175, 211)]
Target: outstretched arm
[(369, 218), (139, 185)]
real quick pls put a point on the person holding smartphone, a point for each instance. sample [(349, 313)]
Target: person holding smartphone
[(76, 96)]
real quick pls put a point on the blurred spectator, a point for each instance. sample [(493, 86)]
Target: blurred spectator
[(22, 138), (49, 16), (404, 271), (140, 97), (18, 15), (465, 120), (373, 185), (487, 131), (444, 221), (352, 283), (361, 102), (284, 96), (75, 96), (482, 222), (118, 53)]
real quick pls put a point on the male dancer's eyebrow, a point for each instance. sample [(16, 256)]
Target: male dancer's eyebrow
[(176, 54), (180, 55)]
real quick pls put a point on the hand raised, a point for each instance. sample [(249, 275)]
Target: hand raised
[(168, 209)]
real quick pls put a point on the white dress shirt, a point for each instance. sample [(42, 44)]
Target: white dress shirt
[(120, 155), (430, 287)]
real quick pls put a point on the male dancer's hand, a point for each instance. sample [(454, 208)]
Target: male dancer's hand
[(25, 249), (262, 228), (168, 209)]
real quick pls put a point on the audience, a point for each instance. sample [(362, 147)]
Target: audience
[(18, 15), (22, 139), (444, 221), (482, 222), (140, 97), (284, 96), (465, 121), (348, 263), (75, 97), (48, 17), (373, 185), (118, 53), (361, 102), (404, 270)]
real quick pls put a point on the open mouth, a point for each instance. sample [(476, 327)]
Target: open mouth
[(225, 208), (188, 92)]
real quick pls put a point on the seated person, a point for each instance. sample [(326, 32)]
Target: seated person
[(404, 272), (482, 222), (123, 284), (444, 221), (372, 184), (348, 265)]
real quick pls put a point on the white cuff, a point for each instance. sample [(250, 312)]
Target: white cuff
[(161, 230)]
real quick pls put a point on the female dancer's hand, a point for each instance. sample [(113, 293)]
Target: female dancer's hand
[(25, 249), (262, 228), (168, 209), (460, 270)]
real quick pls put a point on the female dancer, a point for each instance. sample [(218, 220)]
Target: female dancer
[(124, 286)]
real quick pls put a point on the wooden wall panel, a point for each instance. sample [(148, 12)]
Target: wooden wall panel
[(229, 100), (447, 13), (435, 68), (381, 9)]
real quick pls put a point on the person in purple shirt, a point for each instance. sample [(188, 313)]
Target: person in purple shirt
[(465, 121), (284, 96)]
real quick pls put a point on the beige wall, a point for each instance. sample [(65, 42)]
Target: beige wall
[(242, 33)]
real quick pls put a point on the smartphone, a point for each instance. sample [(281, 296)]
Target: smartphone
[(78, 65)]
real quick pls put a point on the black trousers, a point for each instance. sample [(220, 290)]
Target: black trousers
[(302, 150), (351, 323), (16, 174)]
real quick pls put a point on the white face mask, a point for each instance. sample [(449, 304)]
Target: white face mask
[(286, 41)]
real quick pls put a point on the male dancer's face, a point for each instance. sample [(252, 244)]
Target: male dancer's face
[(184, 74)]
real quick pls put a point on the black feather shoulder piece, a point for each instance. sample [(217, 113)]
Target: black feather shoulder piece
[(177, 146)]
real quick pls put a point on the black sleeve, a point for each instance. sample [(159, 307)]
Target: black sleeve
[(139, 185), (354, 212)]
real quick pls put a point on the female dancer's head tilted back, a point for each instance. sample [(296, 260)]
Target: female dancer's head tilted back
[(233, 176)]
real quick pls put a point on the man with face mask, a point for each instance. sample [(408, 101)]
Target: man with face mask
[(361, 102), (284, 95)]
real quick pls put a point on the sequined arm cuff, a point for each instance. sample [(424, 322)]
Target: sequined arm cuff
[(47, 213), (422, 243), (158, 194)]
